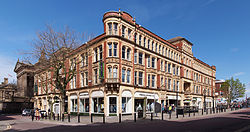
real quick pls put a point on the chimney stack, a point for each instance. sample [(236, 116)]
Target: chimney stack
[(5, 81)]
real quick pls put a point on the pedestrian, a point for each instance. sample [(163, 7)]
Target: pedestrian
[(32, 114), (37, 114), (170, 109)]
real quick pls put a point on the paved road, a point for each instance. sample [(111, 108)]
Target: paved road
[(224, 122)]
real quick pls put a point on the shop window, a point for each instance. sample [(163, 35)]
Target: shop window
[(126, 104), (150, 105), (112, 105), (98, 105), (84, 105), (73, 105)]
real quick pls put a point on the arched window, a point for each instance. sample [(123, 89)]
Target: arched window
[(123, 52), (128, 54)]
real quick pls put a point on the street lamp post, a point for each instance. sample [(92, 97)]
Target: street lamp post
[(176, 103), (204, 93)]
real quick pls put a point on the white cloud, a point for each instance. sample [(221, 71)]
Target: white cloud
[(7, 66), (208, 2), (239, 74)]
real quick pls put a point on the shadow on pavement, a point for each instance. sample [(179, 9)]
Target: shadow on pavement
[(5, 117), (219, 124)]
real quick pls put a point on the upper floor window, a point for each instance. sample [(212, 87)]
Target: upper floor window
[(156, 46), (139, 39), (115, 49), (161, 65), (135, 79), (153, 81), (123, 52), (159, 49), (153, 62), (135, 38), (95, 76), (174, 69), (152, 45), (123, 31), (174, 85), (169, 84), (129, 33), (110, 28), (166, 66), (128, 54), (140, 58), (140, 78), (148, 43), (177, 70), (135, 57), (148, 80), (128, 76), (148, 61), (110, 49), (177, 85), (96, 54), (169, 68), (166, 52), (123, 75), (100, 52), (115, 28), (144, 42)]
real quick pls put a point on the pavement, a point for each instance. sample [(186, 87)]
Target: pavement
[(237, 120)]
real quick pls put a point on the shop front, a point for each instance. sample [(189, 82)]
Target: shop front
[(126, 102), (97, 102), (84, 102), (145, 102), (173, 100)]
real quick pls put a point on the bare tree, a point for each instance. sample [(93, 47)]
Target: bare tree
[(53, 49)]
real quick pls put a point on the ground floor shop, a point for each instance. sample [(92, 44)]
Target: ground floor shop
[(125, 101)]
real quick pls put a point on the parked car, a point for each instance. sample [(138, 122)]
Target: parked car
[(26, 112)]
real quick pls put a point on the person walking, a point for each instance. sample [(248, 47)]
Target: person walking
[(37, 114), (32, 114)]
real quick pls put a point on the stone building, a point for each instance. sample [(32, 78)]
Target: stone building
[(129, 67)]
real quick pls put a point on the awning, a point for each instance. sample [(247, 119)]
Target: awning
[(172, 97), (147, 95)]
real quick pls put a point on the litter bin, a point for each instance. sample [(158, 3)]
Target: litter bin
[(140, 113)]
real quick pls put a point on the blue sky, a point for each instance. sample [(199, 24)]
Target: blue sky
[(219, 29)]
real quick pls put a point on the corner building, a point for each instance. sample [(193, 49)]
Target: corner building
[(128, 67)]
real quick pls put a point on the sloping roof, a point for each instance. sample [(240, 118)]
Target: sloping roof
[(172, 40)]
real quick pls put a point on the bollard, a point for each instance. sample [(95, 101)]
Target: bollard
[(58, 117), (54, 118), (210, 110), (225, 110), (169, 115), (62, 117), (176, 114), (91, 118), (49, 116), (68, 117), (202, 111), (120, 117), (151, 116), (103, 118), (206, 111), (189, 112), (135, 117), (183, 113), (78, 118), (194, 113), (231, 109), (162, 115)]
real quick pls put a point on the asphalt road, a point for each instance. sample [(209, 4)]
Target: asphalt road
[(238, 121)]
